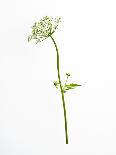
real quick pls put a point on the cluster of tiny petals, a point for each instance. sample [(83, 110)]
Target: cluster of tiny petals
[(43, 29)]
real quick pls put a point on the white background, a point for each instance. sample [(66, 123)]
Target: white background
[(31, 113)]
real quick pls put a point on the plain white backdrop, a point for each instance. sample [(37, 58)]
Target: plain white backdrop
[(31, 113)]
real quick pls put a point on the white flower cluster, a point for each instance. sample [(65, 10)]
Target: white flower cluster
[(43, 29)]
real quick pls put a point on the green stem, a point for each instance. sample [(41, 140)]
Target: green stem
[(62, 93)]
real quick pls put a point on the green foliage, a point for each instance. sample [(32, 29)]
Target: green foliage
[(68, 74), (56, 84), (70, 86), (65, 86)]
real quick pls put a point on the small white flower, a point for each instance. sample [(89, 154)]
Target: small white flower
[(43, 29)]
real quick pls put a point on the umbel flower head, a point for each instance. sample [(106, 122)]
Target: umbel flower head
[(43, 29)]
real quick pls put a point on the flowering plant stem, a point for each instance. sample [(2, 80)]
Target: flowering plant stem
[(61, 89)]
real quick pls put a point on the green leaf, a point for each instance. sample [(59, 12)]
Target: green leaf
[(74, 85), (56, 84), (68, 74), (71, 86)]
